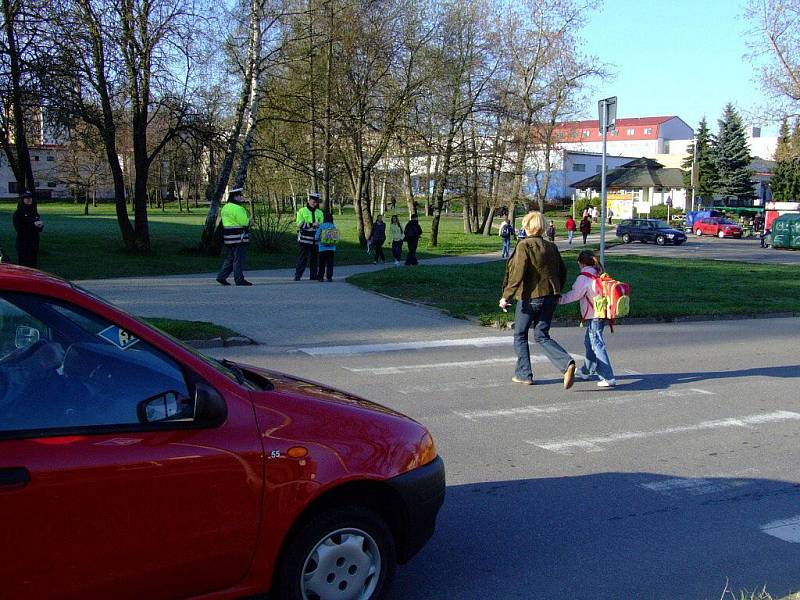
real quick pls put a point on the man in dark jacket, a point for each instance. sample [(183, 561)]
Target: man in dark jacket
[(28, 225), (535, 275), (412, 233)]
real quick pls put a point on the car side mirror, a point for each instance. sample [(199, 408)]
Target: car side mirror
[(25, 336), (209, 406), (169, 406)]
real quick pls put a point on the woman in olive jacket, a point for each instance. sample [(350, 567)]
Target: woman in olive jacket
[(535, 276), (29, 225)]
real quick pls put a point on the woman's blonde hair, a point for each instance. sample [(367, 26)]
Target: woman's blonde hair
[(533, 223)]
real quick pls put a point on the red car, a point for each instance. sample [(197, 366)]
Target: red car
[(718, 226), (133, 467)]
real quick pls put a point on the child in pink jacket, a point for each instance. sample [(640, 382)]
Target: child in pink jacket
[(596, 361)]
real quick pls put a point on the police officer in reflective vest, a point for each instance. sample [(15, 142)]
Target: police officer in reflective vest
[(235, 235), (308, 219)]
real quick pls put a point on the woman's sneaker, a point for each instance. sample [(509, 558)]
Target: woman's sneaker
[(607, 383), (582, 375)]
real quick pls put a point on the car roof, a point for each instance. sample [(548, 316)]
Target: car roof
[(25, 279)]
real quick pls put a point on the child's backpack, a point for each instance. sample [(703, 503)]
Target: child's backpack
[(328, 236), (612, 298)]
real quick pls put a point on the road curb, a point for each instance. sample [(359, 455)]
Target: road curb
[(624, 321), (655, 320), (219, 342)]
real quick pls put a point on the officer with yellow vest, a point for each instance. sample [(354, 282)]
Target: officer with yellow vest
[(308, 219), (235, 235)]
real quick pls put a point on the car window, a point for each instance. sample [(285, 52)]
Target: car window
[(625, 224), (63, 367), (661, 225)]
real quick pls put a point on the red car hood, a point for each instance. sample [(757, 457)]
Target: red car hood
[(293, 386)]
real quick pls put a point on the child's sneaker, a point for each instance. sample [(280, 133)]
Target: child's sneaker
[(607, 383)]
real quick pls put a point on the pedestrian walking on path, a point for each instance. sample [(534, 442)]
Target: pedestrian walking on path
[(413, 232), (535, 275), (378, 238), (506, 233), (327, 237), (396, 231), (570, 226), (586, 228), (308, 219), (596, 361), (551, 231), (28, 225), (236, 237)]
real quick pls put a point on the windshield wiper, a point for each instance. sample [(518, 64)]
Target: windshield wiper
[(235, 369)]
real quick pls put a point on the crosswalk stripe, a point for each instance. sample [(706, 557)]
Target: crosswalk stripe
[(480, 342), (595, 443), (578, 405), (787, 530)]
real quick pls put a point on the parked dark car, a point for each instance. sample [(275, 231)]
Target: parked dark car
[(649, 230)]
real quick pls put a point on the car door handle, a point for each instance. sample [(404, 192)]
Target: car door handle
[(14, 477)]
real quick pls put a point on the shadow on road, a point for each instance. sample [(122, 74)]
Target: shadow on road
[(661, 381), (607, 536)]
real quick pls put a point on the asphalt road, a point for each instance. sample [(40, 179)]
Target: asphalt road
[(684, 476), (743, 250)]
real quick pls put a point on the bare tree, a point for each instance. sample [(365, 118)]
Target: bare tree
[(125, 64), (775, 35), (21, 103)]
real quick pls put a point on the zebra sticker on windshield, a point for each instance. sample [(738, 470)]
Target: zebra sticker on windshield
[(119, 337)]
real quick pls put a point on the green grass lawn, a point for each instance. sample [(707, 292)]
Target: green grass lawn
[(660, 287), (75, 246), (190, 330)]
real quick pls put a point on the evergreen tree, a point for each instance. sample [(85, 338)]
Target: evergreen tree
[(705, 174), (731, 157), (782, 180)]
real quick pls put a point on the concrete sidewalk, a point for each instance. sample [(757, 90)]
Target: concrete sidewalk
[(285, 314)]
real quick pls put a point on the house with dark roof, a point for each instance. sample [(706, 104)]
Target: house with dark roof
[(639, 184)]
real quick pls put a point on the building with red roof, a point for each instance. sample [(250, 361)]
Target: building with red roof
[(638, 136)]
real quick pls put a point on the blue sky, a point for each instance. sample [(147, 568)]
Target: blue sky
[(675, 57)]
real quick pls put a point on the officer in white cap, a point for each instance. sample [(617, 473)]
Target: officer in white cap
[(309, 218)]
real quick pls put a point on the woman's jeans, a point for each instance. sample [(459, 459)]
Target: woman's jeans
[(596, 361), (537, 313), (397, 250), (570, 235)]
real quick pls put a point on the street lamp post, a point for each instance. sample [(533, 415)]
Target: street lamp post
[(694, 168), (607, 107)]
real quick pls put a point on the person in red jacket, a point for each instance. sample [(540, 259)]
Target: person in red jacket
[(570, 226), (585, 227)]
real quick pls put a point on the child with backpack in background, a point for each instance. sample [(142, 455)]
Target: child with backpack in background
[(596, 361), (327, 236), (506, 233), (551, 232)]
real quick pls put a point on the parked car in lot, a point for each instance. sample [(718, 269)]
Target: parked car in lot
[(132, 466), (649, 230), (719, 226)]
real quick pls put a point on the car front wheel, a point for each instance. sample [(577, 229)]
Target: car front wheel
[(341, 553), (626, 237), (660, 240), (720, 234), (698, 232)]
